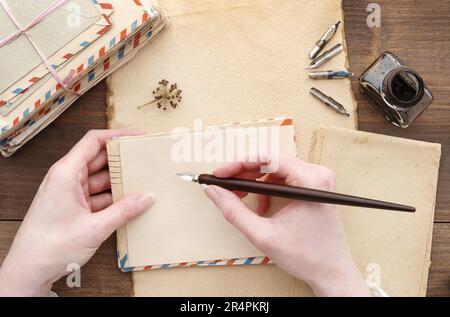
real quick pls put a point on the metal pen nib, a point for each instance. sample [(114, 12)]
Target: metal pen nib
[(329, 34), (326, 56), (188, 177), (330, 102), (329, 74)]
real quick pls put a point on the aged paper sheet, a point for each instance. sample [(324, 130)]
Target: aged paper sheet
[(238, 61), (392, 248), (235, 61)]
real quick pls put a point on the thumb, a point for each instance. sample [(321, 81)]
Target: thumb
[(121, 212), (238, 214)]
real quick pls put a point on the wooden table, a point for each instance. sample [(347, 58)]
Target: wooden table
[(418, 31)]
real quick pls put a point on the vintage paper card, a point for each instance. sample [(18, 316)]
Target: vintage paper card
[(185, 229)]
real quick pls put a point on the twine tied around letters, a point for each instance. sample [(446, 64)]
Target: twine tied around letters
[(24, 30)]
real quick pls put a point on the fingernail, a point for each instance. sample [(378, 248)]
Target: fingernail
[(205, 187), (146, 201)]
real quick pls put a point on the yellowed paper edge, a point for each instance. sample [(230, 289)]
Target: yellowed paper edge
[(115, 172)]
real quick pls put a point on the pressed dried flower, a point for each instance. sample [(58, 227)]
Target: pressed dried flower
[(165, 95)]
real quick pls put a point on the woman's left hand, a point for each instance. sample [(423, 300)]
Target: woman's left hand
[(70, 217)]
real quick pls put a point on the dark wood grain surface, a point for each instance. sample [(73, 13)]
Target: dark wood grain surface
[(417, 31)]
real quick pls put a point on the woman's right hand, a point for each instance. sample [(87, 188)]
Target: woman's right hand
[(303, 238)]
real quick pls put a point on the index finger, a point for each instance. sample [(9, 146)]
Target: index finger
[(287, 168), (238, 169), (253, 169), (89, 147)]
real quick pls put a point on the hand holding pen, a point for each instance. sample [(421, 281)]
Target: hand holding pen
[(303, 238)]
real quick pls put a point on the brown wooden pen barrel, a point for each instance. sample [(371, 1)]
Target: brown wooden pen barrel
[(298, 193)]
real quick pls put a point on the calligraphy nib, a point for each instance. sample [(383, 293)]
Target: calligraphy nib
[(188, 177)]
